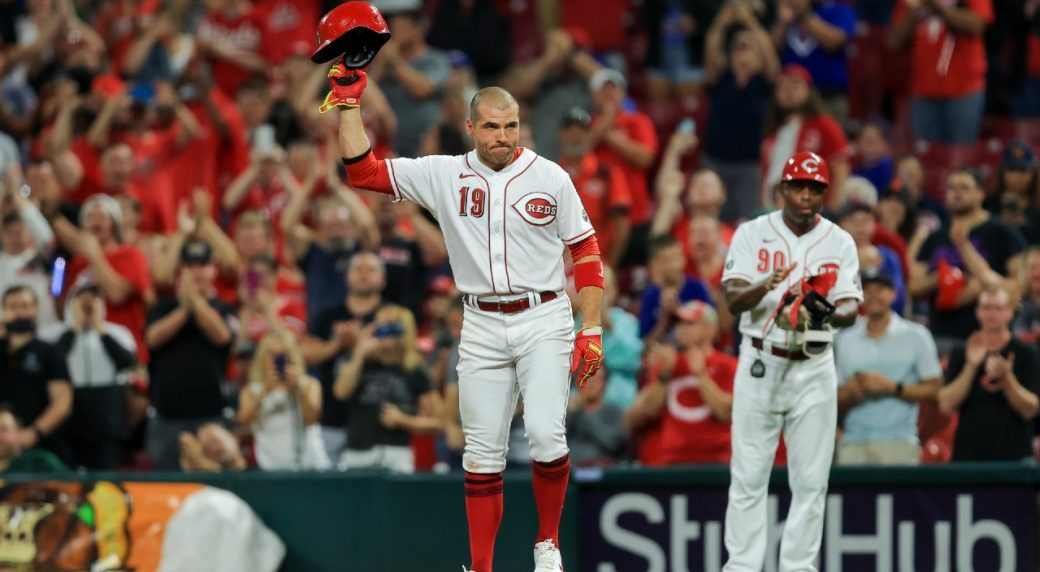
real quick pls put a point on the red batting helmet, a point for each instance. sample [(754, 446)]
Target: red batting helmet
[(356, 30), (806, 166)]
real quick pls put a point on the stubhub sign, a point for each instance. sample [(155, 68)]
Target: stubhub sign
[(942, 529)]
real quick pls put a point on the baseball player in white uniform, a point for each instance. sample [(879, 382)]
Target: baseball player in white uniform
[(506, 215), (793, 276)]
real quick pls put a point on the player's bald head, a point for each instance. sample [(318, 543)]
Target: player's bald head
[(492, 97)]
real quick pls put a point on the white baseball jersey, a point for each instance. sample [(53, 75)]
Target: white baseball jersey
[(505, 230), (765, 244)]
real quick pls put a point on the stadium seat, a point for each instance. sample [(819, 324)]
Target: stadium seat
[(936, 432), (939, 160)]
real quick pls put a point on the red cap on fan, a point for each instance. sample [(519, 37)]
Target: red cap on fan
[(806, 166)]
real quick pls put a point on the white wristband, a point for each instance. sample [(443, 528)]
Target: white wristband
[(592, 331)]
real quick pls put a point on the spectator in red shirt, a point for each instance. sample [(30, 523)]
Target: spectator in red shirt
[(690, 399), (797, 121), (255, 103), (602, 187), (156, 126), (117, 170), (627, 140), (234, 37), (949, 65), (121, 23), (707, 256), (119, 270), (262, 309), (289, 23), (148, 243), (265, 186), (220, 152), (252, 237), (705, 193)]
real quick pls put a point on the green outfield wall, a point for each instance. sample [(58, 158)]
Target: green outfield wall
[(981, 517)]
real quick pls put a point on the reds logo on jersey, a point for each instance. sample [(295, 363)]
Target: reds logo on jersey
[(538, 209)]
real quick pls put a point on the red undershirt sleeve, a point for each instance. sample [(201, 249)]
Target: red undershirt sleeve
[(586, 247), (365, 172)]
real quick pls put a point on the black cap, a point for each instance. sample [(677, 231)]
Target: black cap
[(1019, 156), (576, 116), (877, 275), (196, 251)]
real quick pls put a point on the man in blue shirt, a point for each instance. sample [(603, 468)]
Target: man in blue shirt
[(669, 288), (815, 34), (886, 366)]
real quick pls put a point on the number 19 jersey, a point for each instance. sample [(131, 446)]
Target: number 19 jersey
[(505, 230)]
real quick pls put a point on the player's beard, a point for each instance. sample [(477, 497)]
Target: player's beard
[(500, 156), (802, 219)]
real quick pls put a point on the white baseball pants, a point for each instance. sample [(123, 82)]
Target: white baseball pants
[(799, 397), (506, 356)]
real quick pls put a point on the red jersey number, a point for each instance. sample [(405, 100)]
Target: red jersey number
[(777, 258), (471, 202)]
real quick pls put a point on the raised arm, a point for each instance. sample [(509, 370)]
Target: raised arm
[(714, 44), (297, 235), (953, 394), (142, 46), (524, 82), (959, 19), (670, 182), (225, 253), (363, 170), (350, 374), (899, 31)]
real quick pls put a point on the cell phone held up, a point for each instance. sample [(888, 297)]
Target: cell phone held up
[(253, 282), (280, 362), (687, 126), (388, 330)]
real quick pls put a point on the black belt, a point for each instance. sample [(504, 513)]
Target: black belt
[(796, 355), (514, 306)]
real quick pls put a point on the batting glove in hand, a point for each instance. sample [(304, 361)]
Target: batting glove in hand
[(346, 88), (820, 309), (588, 355)]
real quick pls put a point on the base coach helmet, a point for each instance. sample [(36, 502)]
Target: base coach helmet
[(806, 166)]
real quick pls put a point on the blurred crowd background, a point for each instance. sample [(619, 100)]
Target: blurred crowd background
[(189, 283)]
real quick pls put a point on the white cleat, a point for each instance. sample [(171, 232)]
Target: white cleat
[(547, 557)]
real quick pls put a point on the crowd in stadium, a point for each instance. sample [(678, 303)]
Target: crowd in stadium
[(189, 282)]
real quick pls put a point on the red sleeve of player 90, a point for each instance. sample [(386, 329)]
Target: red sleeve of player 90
[(368, 173)]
